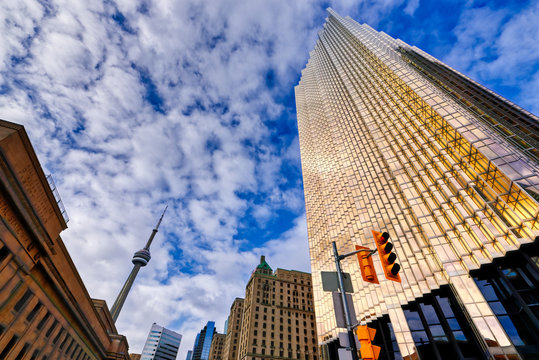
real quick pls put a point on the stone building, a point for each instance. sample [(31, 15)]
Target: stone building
[(233, 330), (45, 309), (278, 319), (217, 347)]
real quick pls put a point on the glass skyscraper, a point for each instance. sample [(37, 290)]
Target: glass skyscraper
[(201, 350), (161, 344), (394, 140)]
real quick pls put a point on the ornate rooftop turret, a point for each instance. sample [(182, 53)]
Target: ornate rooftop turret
[(263, 267)]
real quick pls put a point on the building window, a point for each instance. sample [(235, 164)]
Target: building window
[(9, 346), (34, 311), (51, 329), (22, 301), (4, 252), (34, 355), (64, 342), (55, 340), (43, 321), (439, 328), (510, 285)]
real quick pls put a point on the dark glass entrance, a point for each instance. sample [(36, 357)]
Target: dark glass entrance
[(511, 287), (385, 338), (440, 329)]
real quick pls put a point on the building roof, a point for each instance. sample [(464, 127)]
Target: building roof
[(263, 264)]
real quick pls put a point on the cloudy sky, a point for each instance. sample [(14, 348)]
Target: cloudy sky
[(135, 104)]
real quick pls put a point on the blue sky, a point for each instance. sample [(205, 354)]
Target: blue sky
[(132, 105)]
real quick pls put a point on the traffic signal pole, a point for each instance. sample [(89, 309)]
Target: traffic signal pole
[(347, 316)]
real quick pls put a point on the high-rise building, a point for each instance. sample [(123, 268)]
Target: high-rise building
[(394, 140), (217, 347), (201, 350), (189, 355), (278, 316), (161, 344), (233, 330), (45, 309)]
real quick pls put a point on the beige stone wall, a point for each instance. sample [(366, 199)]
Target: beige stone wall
[(234, 329), (217, 348), (45, 309), (278, 317)]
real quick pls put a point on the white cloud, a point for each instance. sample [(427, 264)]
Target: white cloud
[(411, 7), (80, 82), (500, 46)]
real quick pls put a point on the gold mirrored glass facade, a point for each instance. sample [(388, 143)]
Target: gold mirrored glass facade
[(394, 140)]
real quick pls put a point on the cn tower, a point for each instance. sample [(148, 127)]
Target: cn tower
[(140, 259)]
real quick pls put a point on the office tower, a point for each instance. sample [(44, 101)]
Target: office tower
[(161, 344), (189, 355), (394, 140), (201, 350), (140, 259), (233, 330), (217, 347), (45, 309), (278, 316)]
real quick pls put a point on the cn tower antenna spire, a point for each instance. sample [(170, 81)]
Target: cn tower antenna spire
[(154, 231), (140, 259)]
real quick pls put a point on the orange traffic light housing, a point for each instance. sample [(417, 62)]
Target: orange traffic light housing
[(387, 257), (366, 265), (365, 335)]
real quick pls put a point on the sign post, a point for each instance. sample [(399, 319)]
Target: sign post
[(342, 288), (347, 317)]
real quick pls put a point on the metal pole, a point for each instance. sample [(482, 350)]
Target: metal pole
[(347, 317)]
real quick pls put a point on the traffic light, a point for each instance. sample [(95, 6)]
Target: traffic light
[(366, 265), (365, 335), (391, 268)]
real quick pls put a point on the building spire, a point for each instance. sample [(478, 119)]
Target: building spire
[(140, 259), (154, 231)]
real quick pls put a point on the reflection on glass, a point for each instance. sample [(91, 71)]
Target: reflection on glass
[(439, 328), (420, 337), (430, 314), (511, 287)]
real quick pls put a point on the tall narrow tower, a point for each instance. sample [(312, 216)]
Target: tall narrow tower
[(140, 259)]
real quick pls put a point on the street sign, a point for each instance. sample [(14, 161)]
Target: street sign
[(339, 309), (344, 340), (344, 354), (330, 281)]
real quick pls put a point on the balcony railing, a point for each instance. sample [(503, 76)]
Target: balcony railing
[(57, 197)]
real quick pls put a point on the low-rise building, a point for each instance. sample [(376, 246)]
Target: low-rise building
[(45, 309)]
